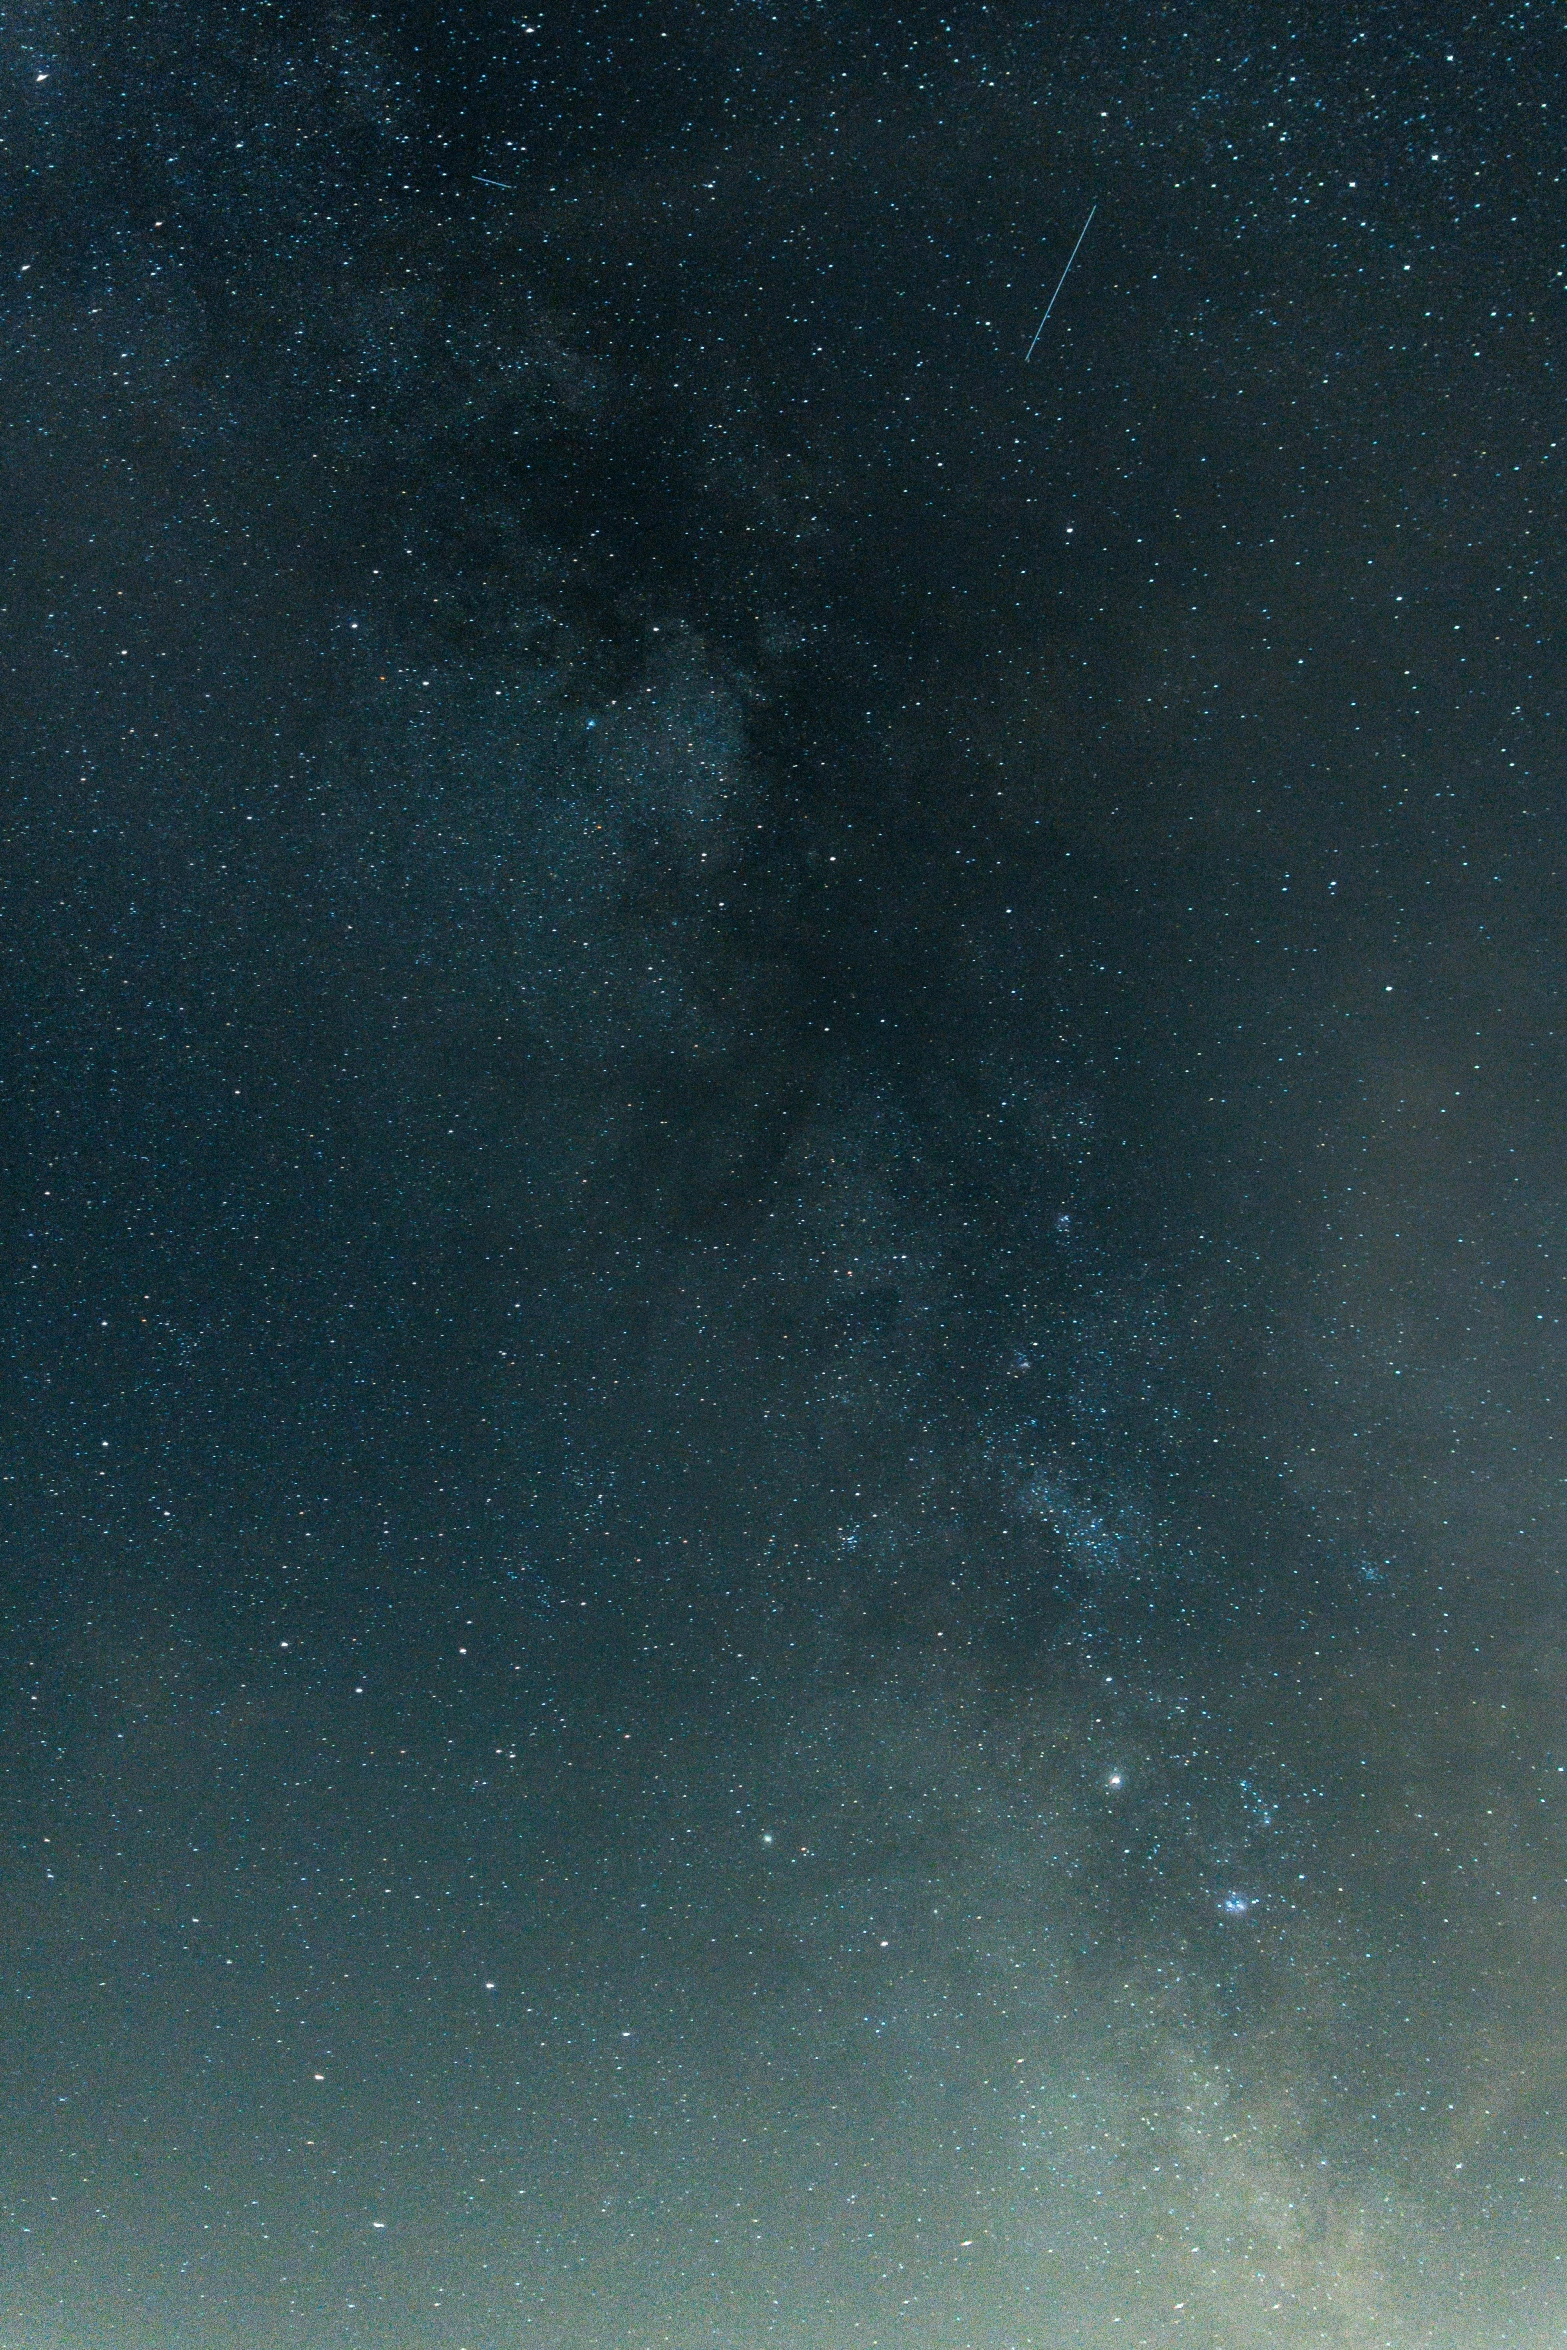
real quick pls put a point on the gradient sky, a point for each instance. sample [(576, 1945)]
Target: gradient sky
[(784, 1117)]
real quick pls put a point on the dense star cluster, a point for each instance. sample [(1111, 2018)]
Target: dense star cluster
[(783, 1507)]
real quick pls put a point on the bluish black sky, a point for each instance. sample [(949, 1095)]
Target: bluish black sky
[(782, 1119)]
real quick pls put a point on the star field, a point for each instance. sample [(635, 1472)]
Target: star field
[(782, 1514)]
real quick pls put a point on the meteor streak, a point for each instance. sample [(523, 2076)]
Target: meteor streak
[(1060, 282)]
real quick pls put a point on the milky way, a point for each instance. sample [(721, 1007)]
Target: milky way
[(783, 1504)]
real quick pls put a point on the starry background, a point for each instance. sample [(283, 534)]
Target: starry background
[(783, 1488)]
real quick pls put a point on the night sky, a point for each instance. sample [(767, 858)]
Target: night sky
[(784, 1122)]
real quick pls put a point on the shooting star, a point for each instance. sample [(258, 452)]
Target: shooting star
[(1061, 281), (510, 185)]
